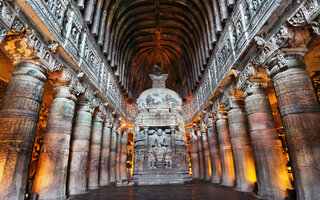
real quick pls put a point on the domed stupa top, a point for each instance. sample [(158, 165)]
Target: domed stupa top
[(159, 97)]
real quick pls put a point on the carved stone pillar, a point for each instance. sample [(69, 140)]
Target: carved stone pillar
[(94, 152), (113, 151), (50, 180), (300, 113), (272, 173), (105, 151), (201, 156), (206, 152), (123, 159), (18, 121), (77, 177), (194, 156), (118, 154), (214, 151), (241, 146), (227, 166)]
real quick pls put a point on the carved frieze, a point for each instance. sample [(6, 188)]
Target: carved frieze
[(245, 22), (305, 13)]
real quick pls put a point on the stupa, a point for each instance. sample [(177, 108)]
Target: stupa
[(160, 149)]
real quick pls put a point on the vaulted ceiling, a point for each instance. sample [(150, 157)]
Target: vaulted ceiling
[(178, 35)]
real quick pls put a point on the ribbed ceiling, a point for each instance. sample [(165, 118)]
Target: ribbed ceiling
[(178, 35)]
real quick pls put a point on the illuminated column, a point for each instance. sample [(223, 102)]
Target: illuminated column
[(105, 151), (123, 159), (214, 151), (206, 152), (118, 154), (113, 150), (300, 113), (227, 166), (77, 177), (50, 180), (272, 173), (94, 152), (194, 156), (200, 152), (18, 121), (240, 142)]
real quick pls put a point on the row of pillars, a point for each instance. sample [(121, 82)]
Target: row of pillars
[(241, 144), (80, 150)]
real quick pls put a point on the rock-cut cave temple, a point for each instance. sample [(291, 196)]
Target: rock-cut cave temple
[(163, 99)]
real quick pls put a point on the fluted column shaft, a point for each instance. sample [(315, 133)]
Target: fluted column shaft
[(118, 154), (300, 113), (105, 154), (123, 159), (94, 152), (227, 166), (18, 121), (50, 180), (194, 156), (241, 146), (201, 155), (113, 151), (272, 173), (206, 154), (77, 177), (214, 154)]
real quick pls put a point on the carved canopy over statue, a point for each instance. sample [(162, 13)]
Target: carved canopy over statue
[(160, 151)]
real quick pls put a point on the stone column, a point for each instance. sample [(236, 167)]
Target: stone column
[(123, 159), (18, 121), (105, 151), (201, 156), (241, 146), (206, 153), (113, 150), (272, 173), (80, 139), (118, 154), (94, 152), (194, 156), (227, 166), (214, 151), (300, 113), (50, 180)]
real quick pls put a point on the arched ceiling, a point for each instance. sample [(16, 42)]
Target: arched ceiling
[(178, 35)]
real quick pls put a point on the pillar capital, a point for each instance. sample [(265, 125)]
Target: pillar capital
[(283, 50), (232, 98), (251, 74), (218, 110), (209, 119), (66, 84), (87, 101), (99, 116), (100, 113), (109, 119)]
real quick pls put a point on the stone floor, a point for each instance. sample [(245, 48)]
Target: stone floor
[(196, 191)]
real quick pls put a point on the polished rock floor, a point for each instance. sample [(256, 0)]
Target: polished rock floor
[(195, 191)]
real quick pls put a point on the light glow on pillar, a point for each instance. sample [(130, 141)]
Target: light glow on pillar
[(251, 173)]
